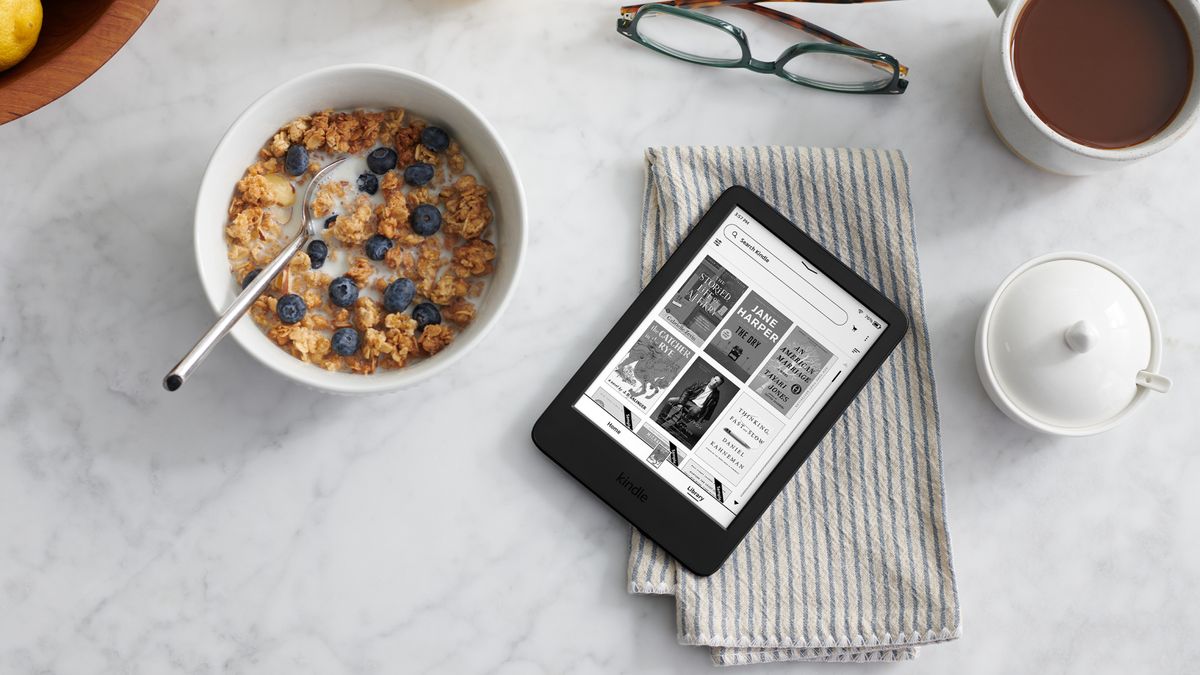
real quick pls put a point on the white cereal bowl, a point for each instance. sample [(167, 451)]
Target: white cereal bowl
[(341, 88)]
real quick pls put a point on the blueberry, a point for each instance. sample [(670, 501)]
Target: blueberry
[(425, 219), (345, 341), (295, 162), (330, 221), (378, 246), (291, 308), (250, 277), (343, 291), (317, 252), (418, 174), (368, 183), (381, 160), (426, 314), (435, 138), (398, 295)]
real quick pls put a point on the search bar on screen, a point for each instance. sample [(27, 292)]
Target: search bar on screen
[(787, 275)]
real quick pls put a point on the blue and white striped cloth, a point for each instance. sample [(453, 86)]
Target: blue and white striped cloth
[(852, 561)]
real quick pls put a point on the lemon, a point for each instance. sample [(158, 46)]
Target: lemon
[(20, 23)]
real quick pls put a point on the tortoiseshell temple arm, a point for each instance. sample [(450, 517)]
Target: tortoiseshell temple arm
[(782, 17)]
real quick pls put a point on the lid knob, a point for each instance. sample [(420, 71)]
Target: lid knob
[(1081, 336)]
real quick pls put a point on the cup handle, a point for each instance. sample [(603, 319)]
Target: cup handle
[(1154, 381), (998, 6)]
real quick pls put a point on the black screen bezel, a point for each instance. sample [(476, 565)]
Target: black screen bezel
[(665, 515)]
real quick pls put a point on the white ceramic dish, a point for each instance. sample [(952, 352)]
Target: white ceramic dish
[(342, 88), (1069, 344)]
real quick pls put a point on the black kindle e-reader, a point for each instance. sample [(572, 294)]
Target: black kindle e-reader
[(720, 380)]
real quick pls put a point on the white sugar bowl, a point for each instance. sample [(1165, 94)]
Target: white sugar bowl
[(1069, 344)]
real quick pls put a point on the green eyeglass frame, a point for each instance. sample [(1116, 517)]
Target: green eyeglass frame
[(893, 83)]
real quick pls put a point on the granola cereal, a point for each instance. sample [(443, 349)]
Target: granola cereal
[(437, 228)]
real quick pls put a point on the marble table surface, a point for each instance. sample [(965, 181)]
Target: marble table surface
[(248, 525)]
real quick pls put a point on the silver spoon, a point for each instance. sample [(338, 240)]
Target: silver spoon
[(308, 229)]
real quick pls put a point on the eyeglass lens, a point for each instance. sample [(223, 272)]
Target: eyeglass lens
[(688, 37), (839, 69), (691, 38)]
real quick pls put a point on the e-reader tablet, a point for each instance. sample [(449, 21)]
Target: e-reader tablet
[(720, 380)]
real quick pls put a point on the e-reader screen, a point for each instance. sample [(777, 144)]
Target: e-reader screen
[(731, 365)]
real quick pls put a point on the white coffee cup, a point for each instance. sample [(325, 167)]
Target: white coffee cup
[(1033, 140)]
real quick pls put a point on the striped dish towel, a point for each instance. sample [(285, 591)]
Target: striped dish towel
[(852, 561)]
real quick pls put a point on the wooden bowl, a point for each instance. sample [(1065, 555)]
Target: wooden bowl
[(78, 36)]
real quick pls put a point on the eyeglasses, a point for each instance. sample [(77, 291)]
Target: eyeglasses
[(836, 64)]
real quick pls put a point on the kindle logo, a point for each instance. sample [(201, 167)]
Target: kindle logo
[(636, 490)]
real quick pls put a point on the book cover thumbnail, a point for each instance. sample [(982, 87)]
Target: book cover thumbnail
[(694, 403), (703, 301), (791, 371), (650, 365), (746, 429), (663, 449), (612, 406), (748, 336), (700, 476)]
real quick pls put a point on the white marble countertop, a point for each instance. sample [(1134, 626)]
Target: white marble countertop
[(246, 524)]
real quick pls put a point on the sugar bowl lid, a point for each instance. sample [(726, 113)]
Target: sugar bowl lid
[(1069, 344)]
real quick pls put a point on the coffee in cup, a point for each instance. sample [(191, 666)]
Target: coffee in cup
[(1104, 73), (1080, 86)]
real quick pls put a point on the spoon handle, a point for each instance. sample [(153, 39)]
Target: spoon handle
[(232, 313)]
